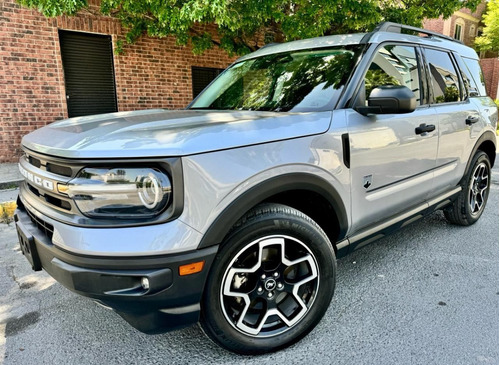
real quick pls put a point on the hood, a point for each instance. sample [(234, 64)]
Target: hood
[(163, 133)]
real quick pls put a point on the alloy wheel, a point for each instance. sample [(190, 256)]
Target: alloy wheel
[(269, 286), (478, 188)]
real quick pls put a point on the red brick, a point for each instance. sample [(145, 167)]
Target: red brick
[(490, 72)]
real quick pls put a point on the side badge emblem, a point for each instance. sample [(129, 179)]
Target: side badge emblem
[(367, 181)]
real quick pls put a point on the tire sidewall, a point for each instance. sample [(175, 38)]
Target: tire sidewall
[(279, 224)]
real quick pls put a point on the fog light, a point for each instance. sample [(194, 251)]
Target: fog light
[(145, 283)]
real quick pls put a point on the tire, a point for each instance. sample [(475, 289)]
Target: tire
[(271, 282), (470, 203)]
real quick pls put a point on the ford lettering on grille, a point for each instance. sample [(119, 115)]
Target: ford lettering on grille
[(37, 180)]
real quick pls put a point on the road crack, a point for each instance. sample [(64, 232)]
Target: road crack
[(10, 273)]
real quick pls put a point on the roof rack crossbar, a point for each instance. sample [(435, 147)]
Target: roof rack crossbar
[(396, 28)]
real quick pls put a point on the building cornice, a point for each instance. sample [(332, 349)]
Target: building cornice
[(466, 16)]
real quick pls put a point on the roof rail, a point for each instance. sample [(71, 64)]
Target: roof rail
[(396, 28), (269, 45)]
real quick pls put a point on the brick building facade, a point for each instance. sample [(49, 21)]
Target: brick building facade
[(152, 73), (464, 25)]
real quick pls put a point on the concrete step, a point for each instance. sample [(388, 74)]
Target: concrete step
[(10, 177), (8, 195)]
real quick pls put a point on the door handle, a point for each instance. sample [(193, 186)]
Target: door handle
[(471, 120), (424, 128)]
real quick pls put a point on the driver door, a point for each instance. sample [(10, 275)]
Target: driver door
[(391, 165)]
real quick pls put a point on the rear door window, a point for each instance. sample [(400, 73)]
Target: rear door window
[(445, 83)]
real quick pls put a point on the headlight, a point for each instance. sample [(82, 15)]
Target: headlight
[(120, 192)]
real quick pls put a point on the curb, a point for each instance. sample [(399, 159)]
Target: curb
[(12, 184)]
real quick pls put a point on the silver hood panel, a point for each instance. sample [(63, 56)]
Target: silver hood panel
[(159, 133)]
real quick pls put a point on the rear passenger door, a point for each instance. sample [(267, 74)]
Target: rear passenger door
[(455, 117), (391, 165)]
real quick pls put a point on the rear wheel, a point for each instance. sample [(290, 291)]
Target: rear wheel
[(271, 283), (471, 201)]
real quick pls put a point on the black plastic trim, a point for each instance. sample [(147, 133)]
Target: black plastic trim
[(396, 28), (171, 302), (346, 150), (486, 136), (279, 184), (402, 219)]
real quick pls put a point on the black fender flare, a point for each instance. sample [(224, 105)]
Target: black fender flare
[(260, 192), (487, 136)]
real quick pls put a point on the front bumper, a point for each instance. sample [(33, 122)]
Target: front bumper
[(171, 301)]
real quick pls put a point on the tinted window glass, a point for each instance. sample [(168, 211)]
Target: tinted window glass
[(444, 79), (477, 74), (290, 81), (202, 76), (394, 65), (468, 80)]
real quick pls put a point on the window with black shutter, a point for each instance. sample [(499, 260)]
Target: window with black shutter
[(202, 76), (88, 73)]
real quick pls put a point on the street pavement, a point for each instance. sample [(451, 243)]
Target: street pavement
[(427, 294)]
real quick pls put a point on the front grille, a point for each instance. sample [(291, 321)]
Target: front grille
[(46, 228), (47, 174), (51, 165), (59, 169), (52, 200), (34, 161)]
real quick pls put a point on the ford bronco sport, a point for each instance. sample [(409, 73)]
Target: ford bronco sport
[(233, 211)]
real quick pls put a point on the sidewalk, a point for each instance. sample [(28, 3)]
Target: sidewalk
[(9, 181), (9, 176)]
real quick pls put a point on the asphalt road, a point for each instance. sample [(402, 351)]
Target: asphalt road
[(428, 294)]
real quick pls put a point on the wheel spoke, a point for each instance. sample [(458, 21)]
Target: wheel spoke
[(268, 291), (482, 192), (478, 188), (472, 201)]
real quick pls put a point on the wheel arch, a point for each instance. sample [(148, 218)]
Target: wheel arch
[(281, 189), (485, 143)]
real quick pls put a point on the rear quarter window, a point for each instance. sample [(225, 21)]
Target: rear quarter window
[(477, 74)]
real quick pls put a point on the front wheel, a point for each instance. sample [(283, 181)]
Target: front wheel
[(271, 282), (471, 201)]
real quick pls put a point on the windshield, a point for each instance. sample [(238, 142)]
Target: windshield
[(295, 81)]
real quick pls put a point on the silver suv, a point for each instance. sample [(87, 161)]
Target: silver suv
[(233, 211)]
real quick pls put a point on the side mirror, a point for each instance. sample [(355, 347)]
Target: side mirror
[(389, 99)]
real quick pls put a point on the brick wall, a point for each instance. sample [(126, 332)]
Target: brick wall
[(434, 25), (490, 71), (152, 73), (447, 27)]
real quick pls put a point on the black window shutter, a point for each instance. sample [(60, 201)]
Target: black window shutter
[(88, 73), (202, 76)]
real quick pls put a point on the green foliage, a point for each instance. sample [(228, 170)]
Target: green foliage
[(451, 94), (375, 78), (52, 8), (243, 26), (489, 40)]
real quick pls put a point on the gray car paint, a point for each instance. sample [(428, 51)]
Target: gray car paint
[(227, 153), (169, 133)]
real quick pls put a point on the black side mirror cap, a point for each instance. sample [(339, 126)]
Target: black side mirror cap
[(389, 99)]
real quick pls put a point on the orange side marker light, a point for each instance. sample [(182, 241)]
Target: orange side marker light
[(192, 268)]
